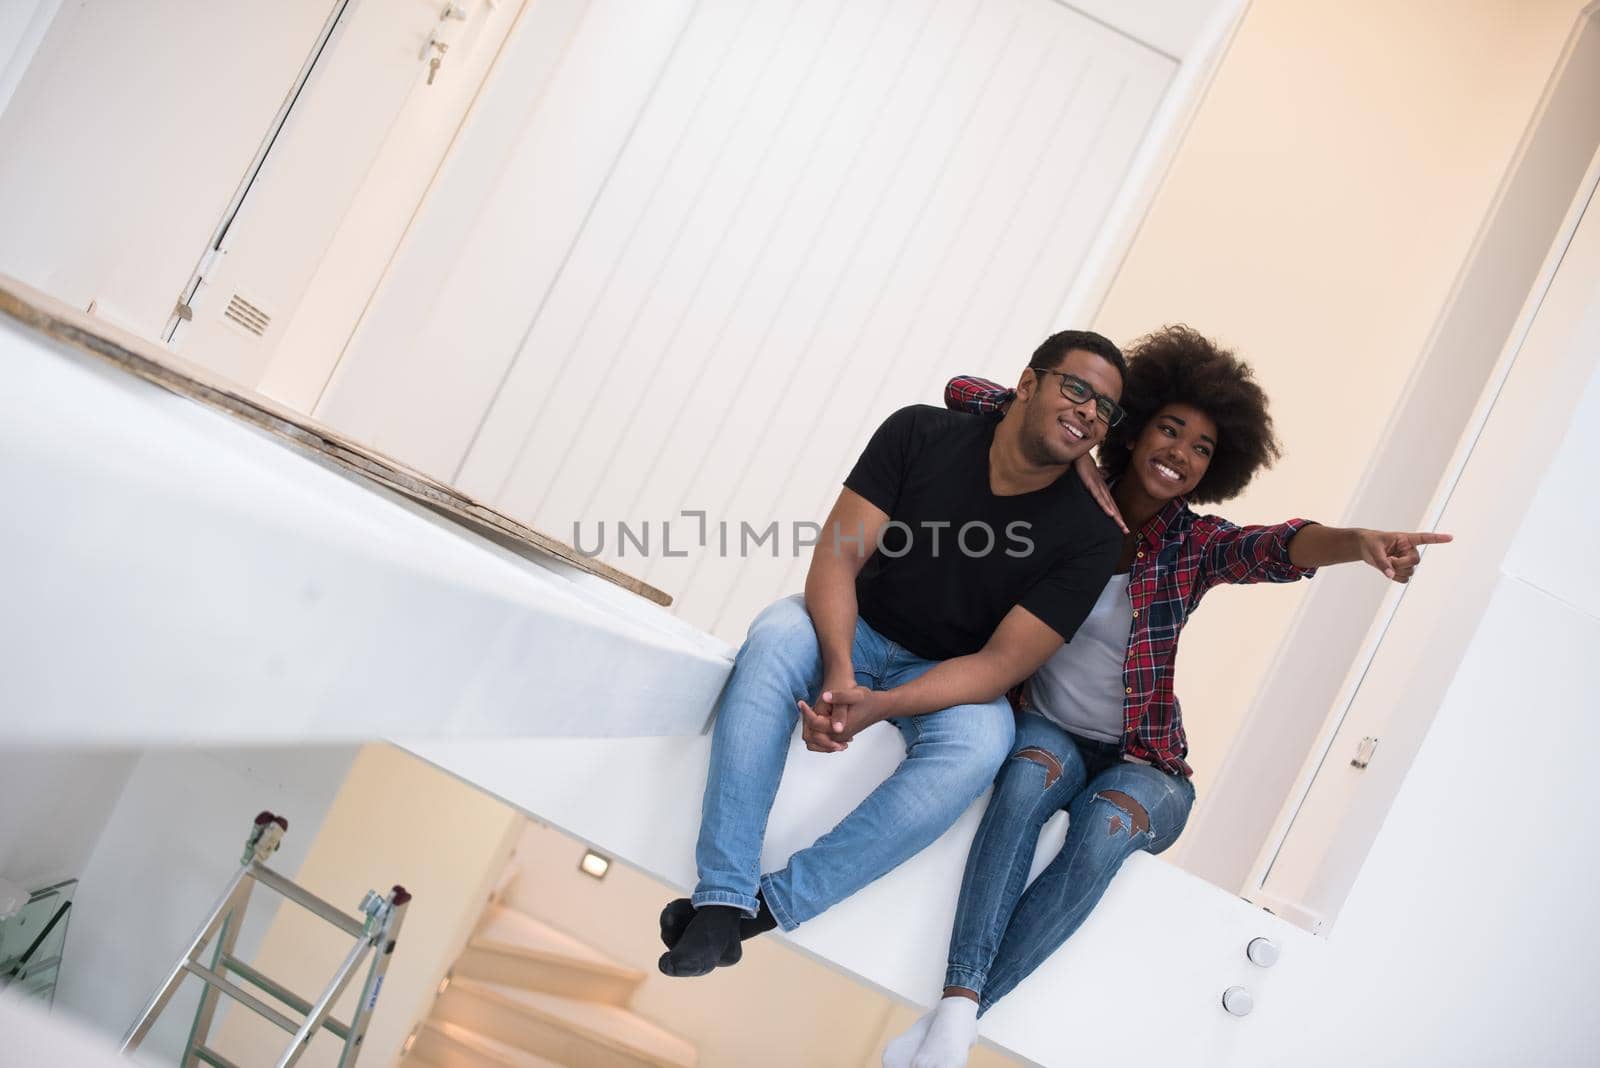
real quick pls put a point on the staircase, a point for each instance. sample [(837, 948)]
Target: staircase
[(524, 995)]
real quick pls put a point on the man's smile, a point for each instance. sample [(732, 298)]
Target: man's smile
[(1074, 431)]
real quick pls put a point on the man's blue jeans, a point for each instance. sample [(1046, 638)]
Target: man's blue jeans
[(951, 758), (1114, 809)]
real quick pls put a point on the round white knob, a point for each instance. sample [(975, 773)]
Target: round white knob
[(1237, 1000), (1262, 951)]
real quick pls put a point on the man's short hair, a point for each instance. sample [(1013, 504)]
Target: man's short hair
[(1048, 356)]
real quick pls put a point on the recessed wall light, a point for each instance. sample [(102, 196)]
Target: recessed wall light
[(594, 864)]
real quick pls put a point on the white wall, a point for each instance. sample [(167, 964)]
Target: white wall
[(1175, 28), (53, 805), (127, 136), (22, 26), (173, 839)]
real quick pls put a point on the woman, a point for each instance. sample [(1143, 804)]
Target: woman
[(1098, 728)]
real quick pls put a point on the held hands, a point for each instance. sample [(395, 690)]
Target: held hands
[(841, 712), (1396, 554), (817, 728), (822, 725)]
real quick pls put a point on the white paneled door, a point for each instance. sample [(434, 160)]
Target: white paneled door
[(725, 242), (376, 82), (1518, 489)]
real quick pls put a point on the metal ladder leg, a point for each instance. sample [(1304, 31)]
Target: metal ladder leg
[(383, 922), (388, 937), (265, 836), (200, 1030)]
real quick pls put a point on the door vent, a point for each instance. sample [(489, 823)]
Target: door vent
[(247, 315)]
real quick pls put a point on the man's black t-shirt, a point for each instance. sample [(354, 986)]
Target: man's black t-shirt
[(931, 587)]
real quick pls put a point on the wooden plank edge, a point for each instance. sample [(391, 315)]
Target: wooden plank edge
[(33, 310)]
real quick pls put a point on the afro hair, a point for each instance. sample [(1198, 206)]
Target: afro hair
[(1179, 365)]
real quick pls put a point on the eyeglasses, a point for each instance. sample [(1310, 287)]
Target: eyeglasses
[(1077, 391)]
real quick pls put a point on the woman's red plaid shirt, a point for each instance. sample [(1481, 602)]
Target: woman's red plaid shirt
[(1179, 557)]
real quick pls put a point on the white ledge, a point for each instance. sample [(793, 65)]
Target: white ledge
[(1142, 978), (177, 575)]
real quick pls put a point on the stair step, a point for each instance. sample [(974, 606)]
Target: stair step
[(507, 926), (446, 1045), (562, 1029), (514, 949)]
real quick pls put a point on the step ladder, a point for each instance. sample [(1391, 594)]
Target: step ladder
[(376, 932)]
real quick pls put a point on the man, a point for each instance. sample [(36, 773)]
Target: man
[(960, 554)]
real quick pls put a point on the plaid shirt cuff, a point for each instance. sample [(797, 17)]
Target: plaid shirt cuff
[(979, 396), (1285, 534)]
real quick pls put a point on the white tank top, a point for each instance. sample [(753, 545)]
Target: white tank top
[(1080, 687)]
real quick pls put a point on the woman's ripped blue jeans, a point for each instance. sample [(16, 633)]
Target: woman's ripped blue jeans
[(1115, 808)]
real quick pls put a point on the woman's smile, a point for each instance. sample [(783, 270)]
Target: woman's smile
[(1166, 472), (1173, 452)]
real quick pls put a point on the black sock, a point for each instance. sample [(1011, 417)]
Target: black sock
[(763, 922), (709, 940), (676, 916)]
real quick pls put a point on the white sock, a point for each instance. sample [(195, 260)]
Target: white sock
[(898, 1053), (951, 1035)]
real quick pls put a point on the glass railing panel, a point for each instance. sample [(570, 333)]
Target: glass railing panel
[(32, 941)]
